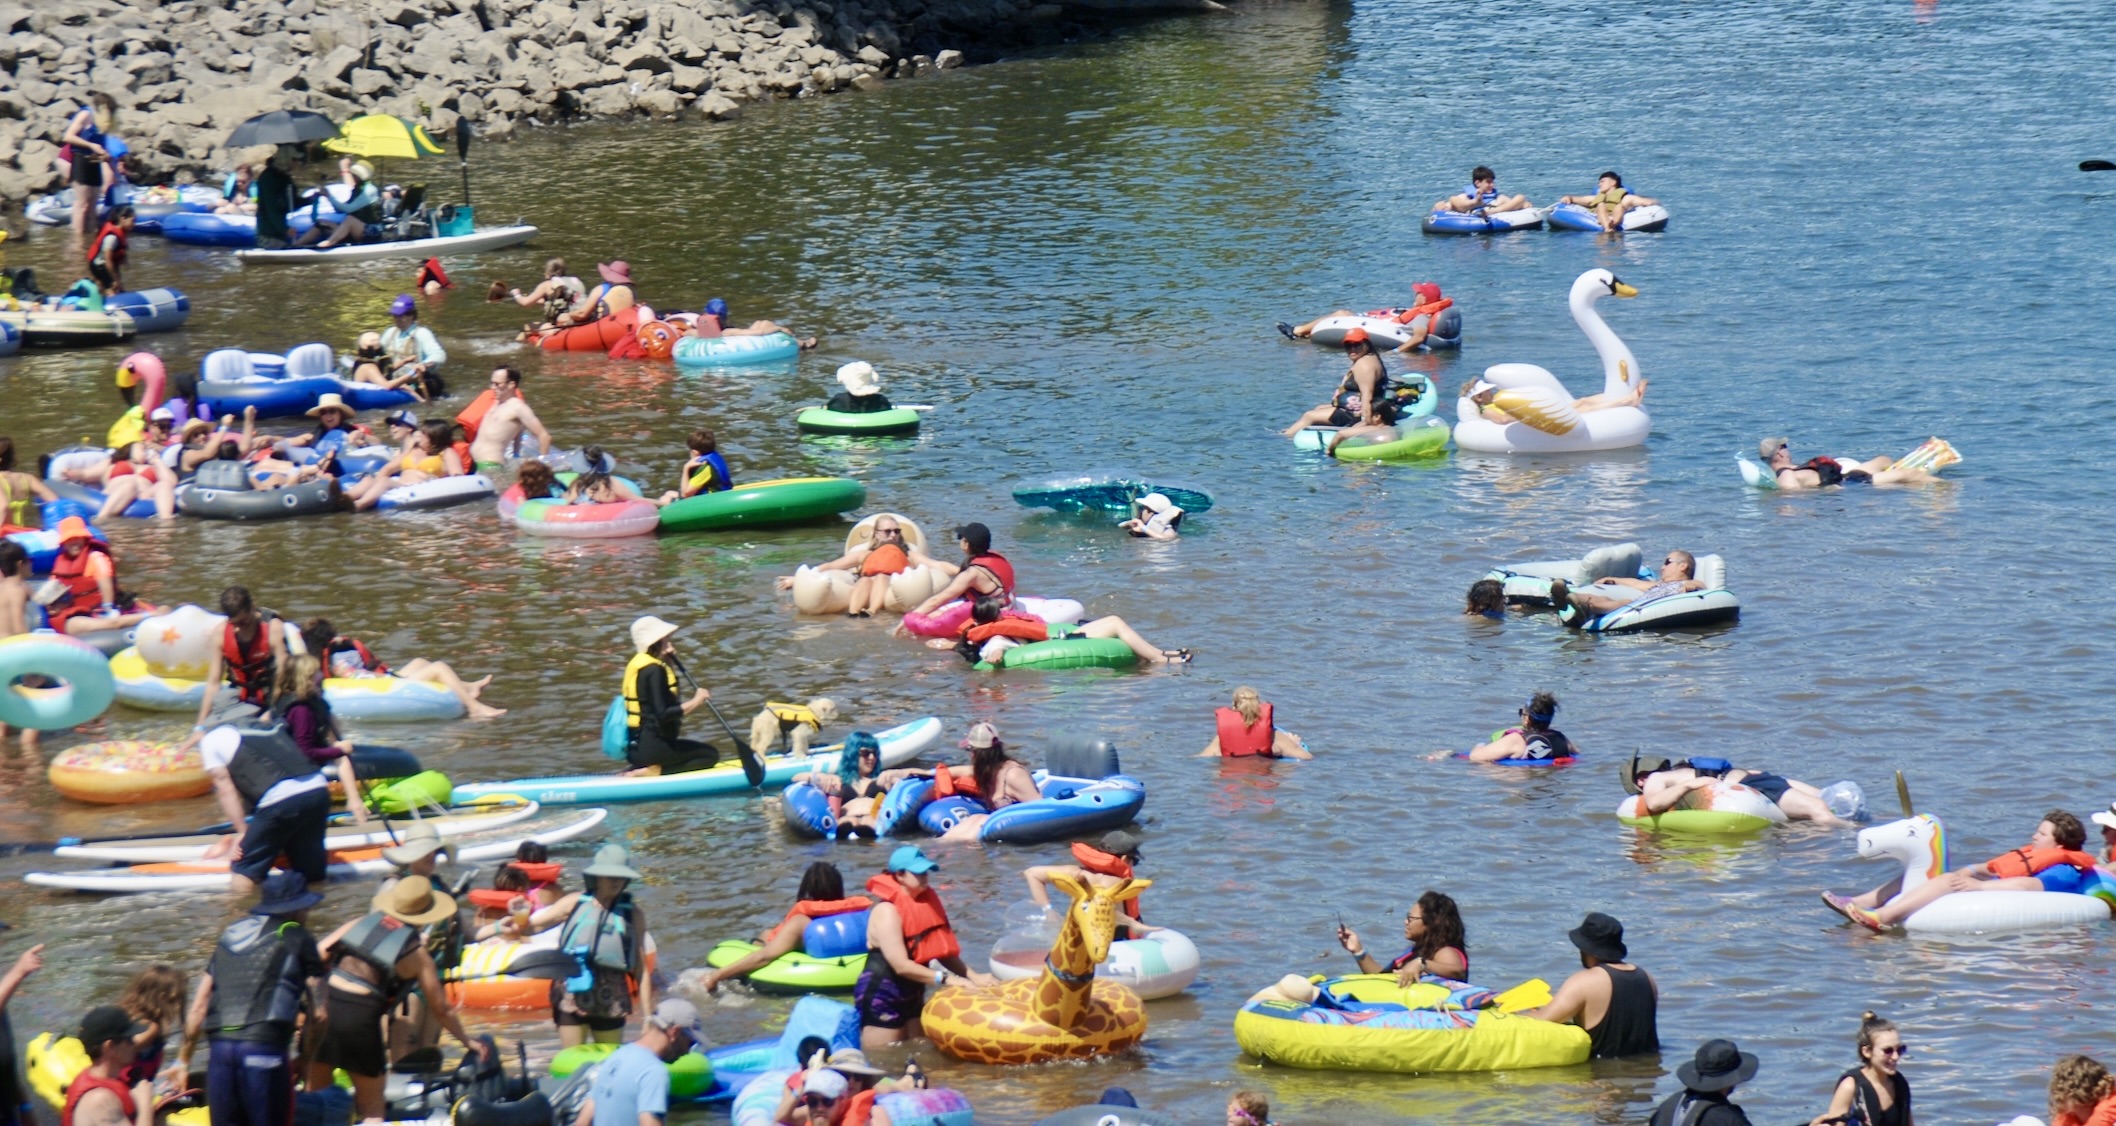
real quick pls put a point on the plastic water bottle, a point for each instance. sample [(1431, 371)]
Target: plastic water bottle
[(1846, 800)]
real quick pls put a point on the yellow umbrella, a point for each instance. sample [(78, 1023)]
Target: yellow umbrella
[(381, 135)]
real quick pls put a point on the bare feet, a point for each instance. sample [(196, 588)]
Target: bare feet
[(480, 710), (807, 342), (477, 686)]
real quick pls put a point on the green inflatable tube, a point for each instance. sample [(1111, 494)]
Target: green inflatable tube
[(1426, 438), (792, 972), (689, 1077), (789, 500), (1702, 821), (1069, 653), (823, 420)]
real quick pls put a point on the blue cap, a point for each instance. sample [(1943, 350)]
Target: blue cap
[(402, 305), (908, 858), (717, 307), (115, 147)]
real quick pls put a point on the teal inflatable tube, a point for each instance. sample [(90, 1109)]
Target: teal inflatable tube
[(735, 351), (823, 420), (84, 690), (1069, 653), (1106, 493)]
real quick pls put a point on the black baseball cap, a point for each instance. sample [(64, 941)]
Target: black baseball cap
[(105, 1023), (976, 535)]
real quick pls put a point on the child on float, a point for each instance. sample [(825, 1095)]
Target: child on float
[(821, 895), (1609, 201)]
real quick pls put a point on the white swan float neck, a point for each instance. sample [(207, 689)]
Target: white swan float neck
[(1619, 366)]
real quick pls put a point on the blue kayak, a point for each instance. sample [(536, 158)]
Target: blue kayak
[(899, 745)]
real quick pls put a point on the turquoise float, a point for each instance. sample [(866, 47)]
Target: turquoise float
[(85, 686), (1106, 493), (735, 351)]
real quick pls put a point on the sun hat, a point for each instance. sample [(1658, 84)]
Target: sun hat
[(161, 414), (613, 860), (852, 1061), (364, 170), (413, 900), (74, 528), (1600, 936), (403, 306), (825, 1082), (981, 735), (618, 272), (368, 340), (1117, 842), (1719, 1065), (2106, 818), (329, 401), (105, 1023), (674, 1013), (1356, 336), (910, 858), (1155, 502), (405, 419), (420, 841), (649, 631), (194, 425), (858, 378), (1770, 446), (285, 893), (1426, 290)]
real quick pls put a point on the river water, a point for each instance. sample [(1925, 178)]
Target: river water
[(1076, 258)]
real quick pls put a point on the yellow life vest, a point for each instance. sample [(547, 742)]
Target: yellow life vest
[(793, 715), (640, 663)]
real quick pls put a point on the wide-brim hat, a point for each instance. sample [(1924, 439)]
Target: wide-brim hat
[(649, 631), (74, 528), (420, 841), (2105, 818), (613, 860), (1156, 502), (852, 1061), (616, 273), (285, 893), (413, 900), (1600, 936), (858, 378), (330, 401), (1719, 1065)]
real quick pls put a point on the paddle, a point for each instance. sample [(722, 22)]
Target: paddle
[(1531, 994), (734, 740), (1903, 795), (2097, 166), (544, 965), (463, 156)]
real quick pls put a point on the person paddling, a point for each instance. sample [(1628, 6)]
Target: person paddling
[(654, 717)]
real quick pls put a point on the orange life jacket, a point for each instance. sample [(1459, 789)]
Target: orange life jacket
[(1022, 627), (474, 415), (83, 594), (946, 785), (117, 253), (2030, 861), (1416, 311), (1108, 864), (927, 935), (997, 564), (251, 671), (887, 559), (1240, 740), (823, 909)]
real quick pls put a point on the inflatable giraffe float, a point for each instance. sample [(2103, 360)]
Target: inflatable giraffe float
[(1066, 1013)]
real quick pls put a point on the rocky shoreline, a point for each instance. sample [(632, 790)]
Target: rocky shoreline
[(184, 72)]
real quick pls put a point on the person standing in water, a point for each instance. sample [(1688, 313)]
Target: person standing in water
[(1875, 1092), (508, 420), (1615, 1001)]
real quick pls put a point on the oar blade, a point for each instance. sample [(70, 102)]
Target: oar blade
[(1531, 994)]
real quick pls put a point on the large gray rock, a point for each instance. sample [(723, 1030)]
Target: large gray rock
[(717, 106), (688, 79), (365, 82)]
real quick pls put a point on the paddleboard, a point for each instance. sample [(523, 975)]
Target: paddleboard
[(489, 238), (351, 836), (899, 745), (212, 875)]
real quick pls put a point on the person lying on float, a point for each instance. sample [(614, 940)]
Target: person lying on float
[(1676, 577), (2050, 861), (1664, 785)]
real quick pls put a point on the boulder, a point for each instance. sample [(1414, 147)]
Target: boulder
[(36, 155), (948, 60), (688, 79), (717, 106), (661, 103), (366, 82)]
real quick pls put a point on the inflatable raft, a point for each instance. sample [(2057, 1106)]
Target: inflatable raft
[(1413, 440), (598, 335), (1367, 1022), (873, 424), (830, 592), (585, 521), (481, 981), (1530, 584), (1545, 415), (440, 492), (308, 498), (1102, 492), (231, 380), (152, 310), (69, 328), (1066, 652), (1919, 844), (1480, 223), (947, 620), (1723, 808), (1573, 217), (370, 699), (764, 504), (1388, 332), (735, 351), (10, 338), (900, 745), (832, 954)]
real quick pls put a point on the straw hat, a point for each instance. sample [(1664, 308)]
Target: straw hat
[(413, 900), (329, 401), (420, 841)]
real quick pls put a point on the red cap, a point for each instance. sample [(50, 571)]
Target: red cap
[(1427, 291), (1356, 336)]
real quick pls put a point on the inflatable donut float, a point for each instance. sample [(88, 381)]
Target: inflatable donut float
[(128, 771), (84, 685)]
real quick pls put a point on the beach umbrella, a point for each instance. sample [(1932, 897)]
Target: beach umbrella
[(383, 136), (282, 127)]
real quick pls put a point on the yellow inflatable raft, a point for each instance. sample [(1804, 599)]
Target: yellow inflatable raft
[(1367, 1022), (53, 1062)]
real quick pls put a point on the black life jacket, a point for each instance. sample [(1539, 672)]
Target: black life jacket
[(266, 759), (257, 983), (381, 941)]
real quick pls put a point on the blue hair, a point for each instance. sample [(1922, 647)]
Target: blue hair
[(849, 758)]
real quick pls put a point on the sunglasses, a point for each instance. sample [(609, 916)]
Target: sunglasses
[(1895, 1050), (816, 1100)]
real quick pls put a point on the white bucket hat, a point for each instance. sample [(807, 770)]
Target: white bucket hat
[(1155, 502), (647, 631), (858, 377)]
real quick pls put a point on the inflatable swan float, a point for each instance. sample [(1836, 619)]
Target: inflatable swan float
[(1547, 420)]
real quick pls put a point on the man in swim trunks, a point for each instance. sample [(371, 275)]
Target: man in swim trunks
[(1664, 786), (2051, 861), (1575, 607), (1822, 472), (508, 419), (1482, 195)]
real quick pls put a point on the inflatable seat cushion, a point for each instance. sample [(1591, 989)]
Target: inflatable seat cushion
[(228, 365), (1616, 561), (312, 359), (1081, 756), (1712, 571)]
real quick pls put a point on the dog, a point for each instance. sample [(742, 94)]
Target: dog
[(789, 725)]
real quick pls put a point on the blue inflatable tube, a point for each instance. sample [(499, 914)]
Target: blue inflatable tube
[(371, 396), (152, 310), (898, 814), (273, 398), (93, 499), (836, 936), (807, 811), (1568, 760), (211, 230), (1472, 223), (10, 339), (1071, 807), (943, 814)]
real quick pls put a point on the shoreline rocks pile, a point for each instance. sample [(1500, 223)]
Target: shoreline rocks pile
[(185, 72)]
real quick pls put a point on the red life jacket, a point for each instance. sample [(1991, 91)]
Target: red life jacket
[(368, 660), (927, 935), (87, 1081), (251, 672), (83, 595), (2031, 861), (887, 559), (1416, 311), (1022, 627), (946, 785), (117, 253), (1108, 864), (997, 564), (822, 909), (1240, 740)]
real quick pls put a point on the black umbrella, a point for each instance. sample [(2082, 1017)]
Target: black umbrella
[(282, 127)]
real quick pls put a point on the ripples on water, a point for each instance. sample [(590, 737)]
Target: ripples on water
[(1076, 258)]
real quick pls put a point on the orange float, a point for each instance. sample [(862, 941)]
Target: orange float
[(658, 338)]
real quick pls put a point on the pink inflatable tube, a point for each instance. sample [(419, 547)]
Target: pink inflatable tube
[(945, 621)]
